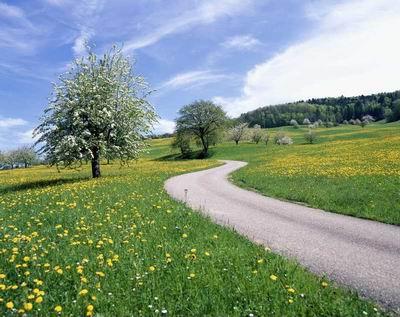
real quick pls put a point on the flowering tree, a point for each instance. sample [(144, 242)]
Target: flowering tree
[(238, 132), (98, 108)]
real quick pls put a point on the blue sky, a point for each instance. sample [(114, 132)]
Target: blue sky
[(242, 54)]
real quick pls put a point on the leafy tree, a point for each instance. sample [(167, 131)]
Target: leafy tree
[(26, 155), (310, 136), (266, 138), (294, 123), (306, 121), (99, 107), (11, 158), (238, 132), (182, 142), (256, 134), (202, 120)]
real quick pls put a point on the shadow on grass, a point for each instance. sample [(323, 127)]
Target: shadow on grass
[(40, 184), (196, 155)]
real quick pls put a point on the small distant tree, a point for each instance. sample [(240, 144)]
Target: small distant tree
[(306, 121), (294, 123), (368, 118), (10, 158), (26, 155), (98, 108), (266, 138), (345, 122), (310, 136), (238, 132), (281, 138), (256, 135), (202, 120)]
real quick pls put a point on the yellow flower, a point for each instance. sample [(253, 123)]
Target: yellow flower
[(260, 261), (273, 277), (101, 274), (28, 306), (39, 300), (192, 275), (324, 284), (83, 292), (26, 258), (184, 235), (89, 307), (59, 271), (58, 309), (291, 290), (2, 276), (207, 253), (290, 301), (152, 268), (10, 305)]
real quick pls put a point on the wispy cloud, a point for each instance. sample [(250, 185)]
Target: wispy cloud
[(11, 122), (245, 42), (351, 52), (207, 12), (164, 126), (193, 79)]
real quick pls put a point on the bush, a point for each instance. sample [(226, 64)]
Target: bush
[(294, 123), (310, 137), (182, 142), (282, 139), (306, 121), (345, 122)]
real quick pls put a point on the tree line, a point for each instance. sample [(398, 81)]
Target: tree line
[(25, 156), (335, 110)]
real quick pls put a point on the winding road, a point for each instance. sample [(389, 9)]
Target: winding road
[(361, 254)]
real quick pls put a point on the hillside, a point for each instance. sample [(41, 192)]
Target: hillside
[(336, 110)]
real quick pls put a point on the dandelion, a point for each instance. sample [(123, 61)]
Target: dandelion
[(290, 301), (39, 299), (28, 306), (152, 268), (10, 305), (101, 274), (324, 284), (83, 292), (273, 277), (184, 235), (58, 309)]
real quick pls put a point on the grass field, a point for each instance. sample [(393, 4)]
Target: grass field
[(119, 246), (350, 170)]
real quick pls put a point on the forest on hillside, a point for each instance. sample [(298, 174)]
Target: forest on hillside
[(335, 110)]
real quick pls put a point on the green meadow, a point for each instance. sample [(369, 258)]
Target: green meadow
[(120, 246)]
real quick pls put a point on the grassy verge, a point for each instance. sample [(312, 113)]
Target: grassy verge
[(119, 246), (350, 170)]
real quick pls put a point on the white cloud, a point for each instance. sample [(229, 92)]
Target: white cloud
[(241, 42), (207, 12), (193, 79), (11, 11), (11, 122), (26, 137), (164, 126), (353, 51)]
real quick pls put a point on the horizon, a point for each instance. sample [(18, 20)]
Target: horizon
[(242, 55)]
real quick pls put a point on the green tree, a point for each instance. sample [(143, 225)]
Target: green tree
[(203, 121), (99, 107)]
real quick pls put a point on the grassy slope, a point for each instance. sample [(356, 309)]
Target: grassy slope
[(350, 170), (58, 230)]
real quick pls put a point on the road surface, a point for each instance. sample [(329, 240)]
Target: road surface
[(361, 254)]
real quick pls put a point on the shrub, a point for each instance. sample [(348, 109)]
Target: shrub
[(345, 122), (310, 137), (329, 124), (368, 118), (294, 123), (357, 121), (282, 139), (306, 121)]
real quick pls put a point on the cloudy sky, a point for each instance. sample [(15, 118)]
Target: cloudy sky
[(242, 54)]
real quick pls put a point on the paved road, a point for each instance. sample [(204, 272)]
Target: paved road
[(362, 254)]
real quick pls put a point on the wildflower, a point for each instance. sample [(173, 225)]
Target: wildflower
[(291, 290), (2, 276), (83, 292), (184, 235), (260, 261), (58, 309), (324, 284), (89, 307), (290, 301), (101, 274), (39, 299), (152, 268), (10, 305), (207, 253), (26, 258), (273, 277), (28, 306)]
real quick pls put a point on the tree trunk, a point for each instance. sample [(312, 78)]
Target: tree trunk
[(96, 163), (205, 146), (237, 142)]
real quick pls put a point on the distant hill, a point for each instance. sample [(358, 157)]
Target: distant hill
[(336, 110)]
